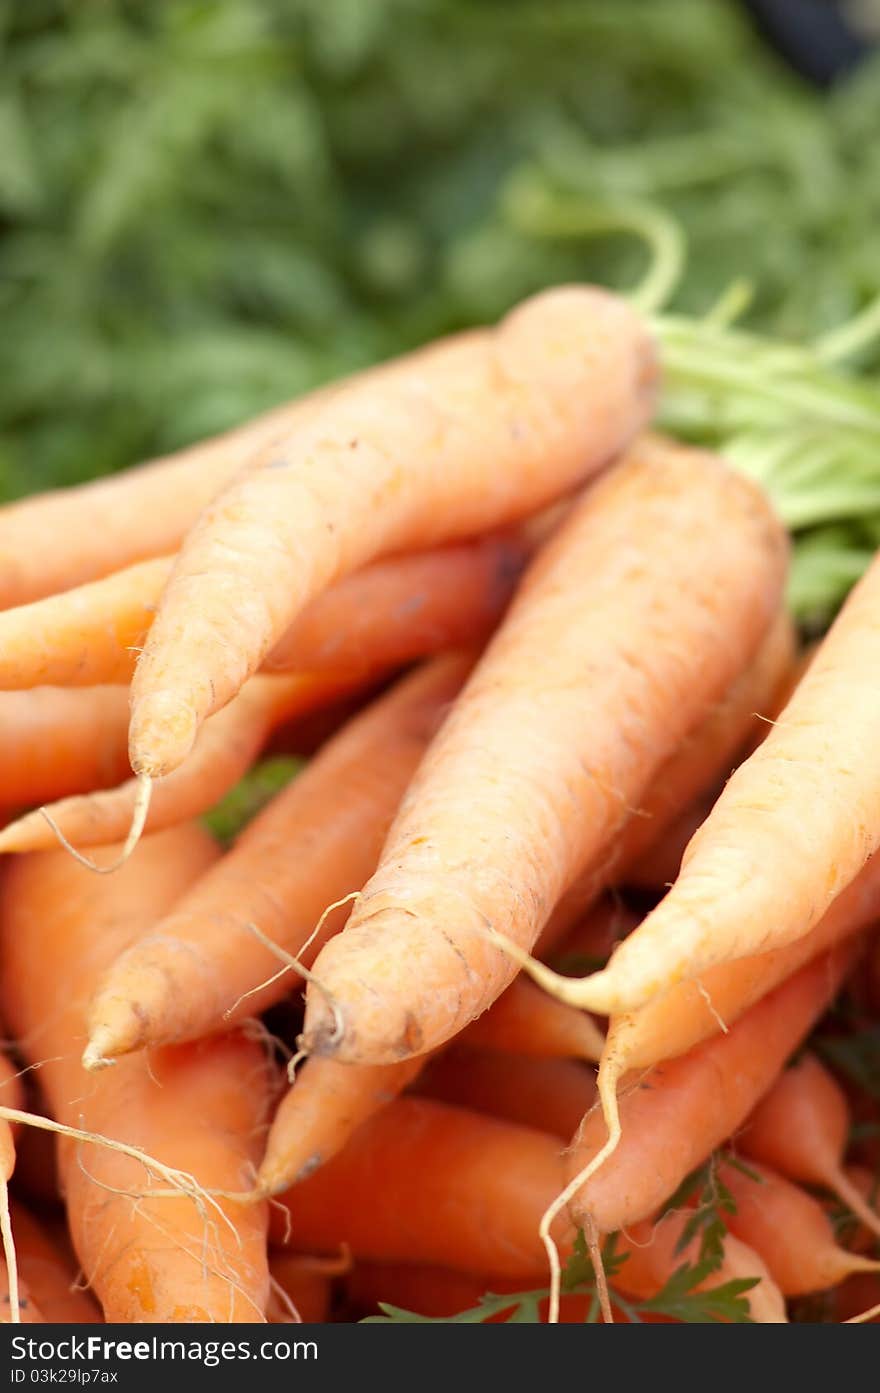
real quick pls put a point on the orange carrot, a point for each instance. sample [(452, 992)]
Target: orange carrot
[(789, 1230), (162, 1258), (676, 1117), (227, 747), (794, 825), (551, 1095), (439, 1292), (48, 1274), (525, 1020), (704, 758), (653, 1254), (429, 1183), (25, 1310), (202, 967), (405, 607), (801, 1130), (100, 526), (326, 1105), (610, 653), (387, 614), (479, 434), (54, 742), (302, 1288), (693, 1011)]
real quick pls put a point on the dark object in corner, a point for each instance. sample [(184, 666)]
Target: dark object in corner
[(816, 37)]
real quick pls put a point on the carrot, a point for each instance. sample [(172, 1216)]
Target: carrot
[(481, 433), (21, 1307), (439, 1292), (302, 1288), (525, 1020), (859, 1238), (551, 1095), (703, 758), (326, 1105), (801, 1130), (54, 742), (387, 614), (676, 1117), (609, 654), (432, 1184), (405, 607), (329, 1100), (315, 842), (694, 1011), (105, 524), (653, 1253), (167, 1257), (794, 825), (48, 1274), (789, 1229), (227, 747)]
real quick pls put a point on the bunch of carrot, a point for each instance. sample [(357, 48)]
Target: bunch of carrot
[(538, 640)]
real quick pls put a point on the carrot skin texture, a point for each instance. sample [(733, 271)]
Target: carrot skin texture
[(476, 434), (551, 1095), (307, 1288), (55, 742), (143, 512), (323, 1108), (429, 1183), (694, 1010), (314, 843), (48, 1274), (540, 761), (227, 747), (60, 924), (388, 613), (525, 1020), (820, 755), (807, 1133), (705, 757), (686, 1107), (790, 1231)]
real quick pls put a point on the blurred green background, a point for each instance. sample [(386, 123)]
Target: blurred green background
[(209, 207)]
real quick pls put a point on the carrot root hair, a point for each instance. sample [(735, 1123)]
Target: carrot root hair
[(179, 1182), (9, 1254), (563, 1199), (566, 989), (297, 966), (139, 815), (845, 1190)]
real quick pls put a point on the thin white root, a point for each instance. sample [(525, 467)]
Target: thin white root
[(139, 815), (290, 963), (9, 1254), (567, 989), (180, 1182), (870, 1314), (612, 1120), (854, 1200), (304, 972), (591, 1233)]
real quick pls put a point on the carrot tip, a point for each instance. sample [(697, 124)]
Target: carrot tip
[(93, 1057)]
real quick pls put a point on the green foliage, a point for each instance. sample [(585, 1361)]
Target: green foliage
[(235, 810), (678, 1298), (206, 208)]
